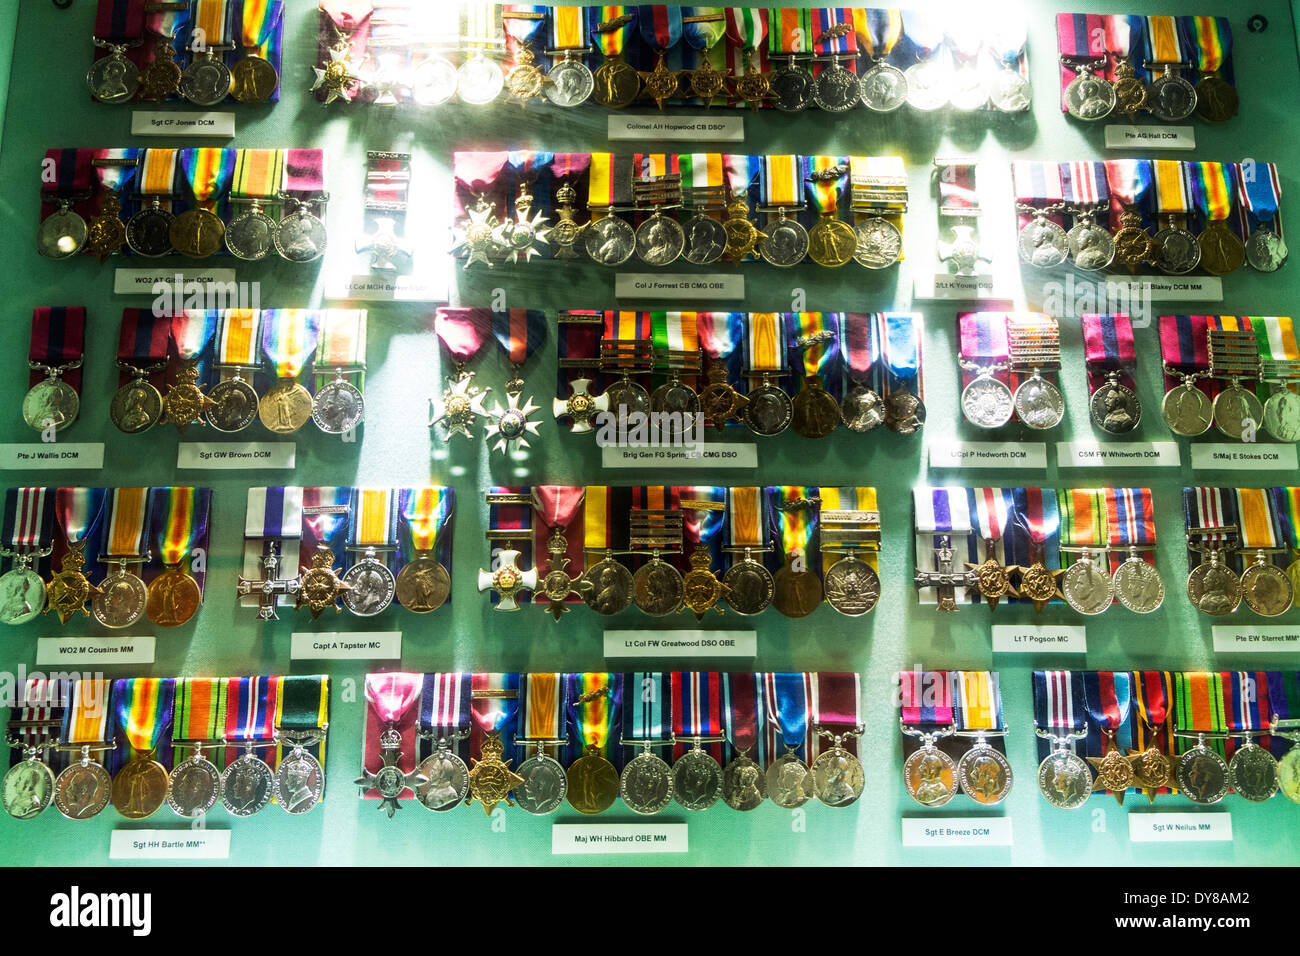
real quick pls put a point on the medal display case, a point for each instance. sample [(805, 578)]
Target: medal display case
[(964, 270)]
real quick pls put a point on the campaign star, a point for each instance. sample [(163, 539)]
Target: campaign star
[(477, 234), (462, 403), (660, 83), (391, 780), (993, 580), (512, 424), (338, 75), (1114, 773)]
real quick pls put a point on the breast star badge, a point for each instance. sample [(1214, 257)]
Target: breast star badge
[(512, 424), (519, 235), (477, 234), (339, 75), (391, 779), (462, 404)]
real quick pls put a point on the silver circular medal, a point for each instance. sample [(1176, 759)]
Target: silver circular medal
[(193, 787), (371, 587), (1090, 97), (836, 89), (479, 80), (569, 83), (51, 402), (768, 410), (1043, 244), (657, 588), (984, 774), (1282, 416), (883, 88), (838, 778), (880, 244), (27, 789), (861, 409), (1266, 589), (247, 786), (234, 406), (149, 232), (660, 240), (927, 86), (300, 237), (744, 785), (1252, 773), (626, 397), (136, 407), (1091, 246), (1187, 411), (789, 781), (434, 82), (1177, 251), (609, 241), (338, 407), (1288, 774), (1265, 250), (706, 240), (1171, 98), (82, 790), (750, 587), (646, 784), (22, 596), (1010, 92), (697, 780), (544, 786), (1138, 586), (1115, 408), (986, 402), (1203, 776), (113, 78), (447, 781), (250, 235), (929, 776), (1087, 587), (786, 243), (611, 587), (1235, 410), (61, 234), (1214, 589), (299, 782), (121, 599), (852, 586), (966, 91), (1038, 403), (792, 89), (1064, 780), (206, 81)]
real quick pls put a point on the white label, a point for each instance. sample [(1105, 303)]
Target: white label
[(1095, 454), (643, 644), (988, 454), (945, 285), (1177, 288), (43, 455), (711, 129), (1226, 456), (178, 844), (173, 283), (1254, 639), (651, 285), (1122, 136), (1158, 827), (182, 124), (430, 286), (957, 831), (346, 646), (568, 838), (210, 455), (705, 456), (1039, 639), (51, 651)]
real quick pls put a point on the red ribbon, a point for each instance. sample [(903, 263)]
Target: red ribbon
[(58, 337)]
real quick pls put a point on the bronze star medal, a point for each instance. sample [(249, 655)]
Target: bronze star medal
[(1151, 770), (701, 588), (491, 779), (1114, 771), (1133, 244), (742, 235), (660, 83), (525, 81), (993, 580), (753, 86), (1040, 584), (462, 404), (185, 402), (106, 233), (338, 75), (319, 586), (1130, 92), (70, 589), (719, 402), (162, 77), (557, 585), (708, 83), (391, 779)]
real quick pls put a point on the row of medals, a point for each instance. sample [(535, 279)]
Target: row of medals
[(196, 233), (874, 242), (207, 81), (1066, 780), (1189, 412), (233, 404), (1214, 588), (1170, 97), (932, 777), (118, 601), (84, 788), (647, 785)]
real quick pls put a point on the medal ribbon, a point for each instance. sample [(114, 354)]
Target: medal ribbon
[(1006, 40), (1108, 696), (569, 28), (825, 177), (519, 332), (1130, 516), (1164, 43), (1275, 338), (765, 349), (1084, 183), (1037, 514), (1108, 345), (701, 525), (542, 707), (995, 511), (1038, 184), (78, 511), (1213, 187), (719, 332), (697, 703), (463, 331), (1080, 35), (941, 510), (258, 173), (1130, 185), (557, 504), (1198, 699), (1058, 701), (425, 511), (179, 521), (1245, 698), (288, 337), (144, 708), (788, 30), (342, 339), (701, 170), (848, 499), (1209, 507), (200, 708), (746, 26), (611, 42), (977, 700), (1286, 505), (191, 331), (1184, 345), (984, 342), (142, 343), (836, 700), (595, 701), (796, 525), (1210, 38), (388, 176), (158, 172), (957, 193), (389, 698), (860, 345), (28, 519), (85, 720), (445, 703), (128, 514), (1260, 191), (1259, 526), (902, 341), (924, 32), (628, 326), (741, 714), (211, 24), (522, 22), (1084, 521), (58, 338), (258, 19), (926, 698), (745, 518), (823, 329), (304, 172), (304, 704), (1120, 30), (73, 173), (1152, 691), (250, 708), (273, 513), (118, 20), (786, 697), (375, 523), (660, 25), (1173, 189), (238, 337), (208, 171), (1284, 694), (741, 171), (782, 182), (822, 21), (878, 31), (116, 167)]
